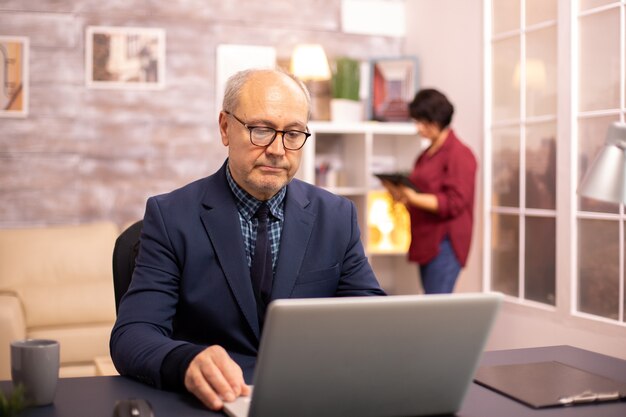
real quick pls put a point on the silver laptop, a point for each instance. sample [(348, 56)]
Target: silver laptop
[(368, 356)]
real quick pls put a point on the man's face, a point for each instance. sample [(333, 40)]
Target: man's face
[(270, 100)]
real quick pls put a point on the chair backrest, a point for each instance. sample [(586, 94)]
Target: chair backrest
[(124, 254)]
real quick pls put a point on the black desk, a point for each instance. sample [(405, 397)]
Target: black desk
[(95, 396)]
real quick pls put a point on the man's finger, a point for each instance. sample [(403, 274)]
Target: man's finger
[(214, 377), (196, 383)]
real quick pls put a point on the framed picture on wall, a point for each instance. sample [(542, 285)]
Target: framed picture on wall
[(393, 84), (14, 76), (125, 57)]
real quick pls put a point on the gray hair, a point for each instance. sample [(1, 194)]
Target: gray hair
[(236, 82)]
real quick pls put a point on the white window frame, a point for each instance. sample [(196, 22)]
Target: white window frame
[(567, 215), (575, 116)]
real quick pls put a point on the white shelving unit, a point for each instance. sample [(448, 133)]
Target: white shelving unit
[(353, 152)]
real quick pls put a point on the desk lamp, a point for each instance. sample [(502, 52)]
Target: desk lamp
[(380, 217), (605, 180), (309, 64)]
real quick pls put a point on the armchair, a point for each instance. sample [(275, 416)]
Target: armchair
[(56, 283)]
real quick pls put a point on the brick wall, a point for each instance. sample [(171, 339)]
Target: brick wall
[(89, 154)]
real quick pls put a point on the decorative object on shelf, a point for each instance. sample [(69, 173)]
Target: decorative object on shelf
[(309, 64), (345, 105), (328, 172), (393, 85), (125, 57), (14, 76), (605, 180), (388, 224)]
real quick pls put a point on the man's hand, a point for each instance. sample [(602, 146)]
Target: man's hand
[(214, 377)]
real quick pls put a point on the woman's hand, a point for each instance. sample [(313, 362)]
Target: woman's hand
[(395, 190)]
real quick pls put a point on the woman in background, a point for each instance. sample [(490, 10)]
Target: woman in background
[(442, 211)]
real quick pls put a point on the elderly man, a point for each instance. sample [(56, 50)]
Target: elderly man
[(215, 252)]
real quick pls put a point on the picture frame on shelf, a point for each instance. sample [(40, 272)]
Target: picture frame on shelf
[(14, 94), (125, 58), (393, 83)]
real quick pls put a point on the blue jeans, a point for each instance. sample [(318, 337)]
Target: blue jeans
[(439, 275)]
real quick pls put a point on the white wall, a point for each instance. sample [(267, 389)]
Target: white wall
[(447, 37)]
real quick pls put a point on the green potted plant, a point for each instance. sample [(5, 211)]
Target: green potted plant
[(11, 404), (345, 83)]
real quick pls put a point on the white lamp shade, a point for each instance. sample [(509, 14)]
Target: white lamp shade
[(309, 62), (605, 180), (536, 74)]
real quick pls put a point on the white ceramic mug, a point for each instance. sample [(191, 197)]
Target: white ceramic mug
[(35, 365)]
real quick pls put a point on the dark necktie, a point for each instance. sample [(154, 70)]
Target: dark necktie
[(261, 269)]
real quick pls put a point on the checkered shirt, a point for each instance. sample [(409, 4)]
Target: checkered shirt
[(247, 207)]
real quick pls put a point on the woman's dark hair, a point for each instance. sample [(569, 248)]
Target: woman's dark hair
[(430, 105)]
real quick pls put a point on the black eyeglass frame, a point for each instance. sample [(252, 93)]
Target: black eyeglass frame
[(276, 132)]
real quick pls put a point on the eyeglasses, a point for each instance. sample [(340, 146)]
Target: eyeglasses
[(264, 136)]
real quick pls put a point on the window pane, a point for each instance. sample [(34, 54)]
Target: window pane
[(540, 257), (538, 11), (598, 268), (624, 43), (599, 61), (506, 15), (505, 254), (590, 4), (541, 166), (591, 137), (505, 86), (541, 72), (505, 167)]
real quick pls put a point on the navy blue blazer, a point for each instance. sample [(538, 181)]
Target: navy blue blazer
[(192, 284)]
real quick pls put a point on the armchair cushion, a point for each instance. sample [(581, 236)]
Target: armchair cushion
[(12, 327), (67, 303), (59, 284), (56, 254)]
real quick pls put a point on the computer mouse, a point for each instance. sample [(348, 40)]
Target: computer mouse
[(133, 407)]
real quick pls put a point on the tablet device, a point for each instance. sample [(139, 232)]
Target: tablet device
[(397, 178)]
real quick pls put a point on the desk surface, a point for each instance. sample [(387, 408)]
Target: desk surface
[(96, 396)]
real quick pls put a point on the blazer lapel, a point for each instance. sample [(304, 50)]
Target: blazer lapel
[(221, 221), (299, 221)]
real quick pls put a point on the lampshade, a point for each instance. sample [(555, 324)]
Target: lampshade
[(536, 74), (309, 62), (605, 180)]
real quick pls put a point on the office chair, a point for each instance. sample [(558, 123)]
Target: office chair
[(124, 254)]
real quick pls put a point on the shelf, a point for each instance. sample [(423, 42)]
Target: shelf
[(345, 155), (347, 191), (383, 128), (393, 252)]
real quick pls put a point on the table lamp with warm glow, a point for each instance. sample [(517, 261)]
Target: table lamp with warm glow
[(380, 217), (605, 180), (388, 224), (309, 64)]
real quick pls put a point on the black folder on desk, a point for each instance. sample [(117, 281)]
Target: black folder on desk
[(546, 384)]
